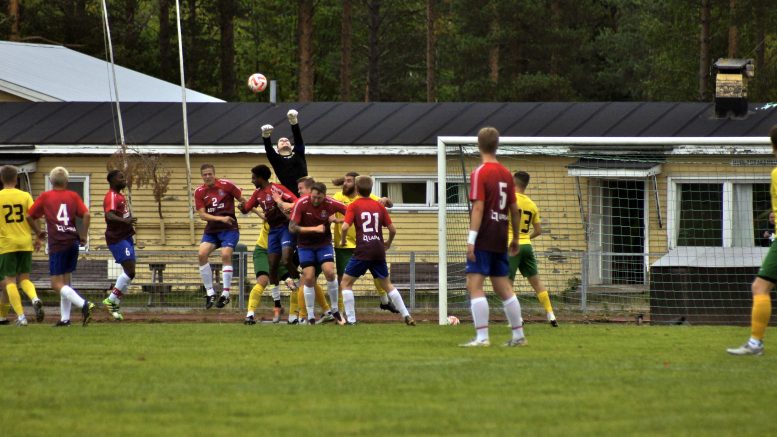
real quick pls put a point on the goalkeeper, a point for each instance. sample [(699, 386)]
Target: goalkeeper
[(287, 162)]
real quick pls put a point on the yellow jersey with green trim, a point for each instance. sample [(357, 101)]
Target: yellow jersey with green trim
[(263, 236), (530, 215), (15, 233), (773, 190), (350, 238)]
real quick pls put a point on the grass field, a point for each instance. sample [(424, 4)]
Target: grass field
[(381, 379)]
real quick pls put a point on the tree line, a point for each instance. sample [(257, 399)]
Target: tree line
[(423, 50)]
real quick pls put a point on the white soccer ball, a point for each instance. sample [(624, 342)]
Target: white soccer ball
[(453, 320), (257, 82)]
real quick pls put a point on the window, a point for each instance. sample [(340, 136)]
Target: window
[(79, 184), (718, 214), (419, 193)]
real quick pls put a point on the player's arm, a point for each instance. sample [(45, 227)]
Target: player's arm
[(83, 234), (515, 217), (392, 233), (299, 145), (272, 154), (40, 234), (346, 220), (214, 218), (111, 216), (295, 228), (537, 230), (476, 218), (250, 205)]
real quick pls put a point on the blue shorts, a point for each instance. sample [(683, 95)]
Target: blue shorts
[(278, 239), (489, 263), (222, 239), (315, 256), (124, 250), (64, 261), (358, 267)]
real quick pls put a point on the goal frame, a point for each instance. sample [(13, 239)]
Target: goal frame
[(444, 141)]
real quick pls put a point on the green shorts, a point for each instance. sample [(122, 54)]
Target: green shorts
[(15, 263), (342, 256), (262, 263), (768, 268), (524, 261)]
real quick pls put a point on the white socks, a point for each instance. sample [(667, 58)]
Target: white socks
[(513, 312), (207, 279), (310, 301), (479, 308), (226, 275), (72, 296), (276, 292), (396, 298), (350, 306), (64, 308), (122, 282), (331, 289)]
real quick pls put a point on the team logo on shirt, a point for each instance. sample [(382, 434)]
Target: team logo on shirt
[(221, 192), (498, 216), (323, 214)]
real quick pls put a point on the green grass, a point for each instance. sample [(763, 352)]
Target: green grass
[(219, 379)]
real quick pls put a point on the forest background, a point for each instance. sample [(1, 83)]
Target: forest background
[(423, 50)]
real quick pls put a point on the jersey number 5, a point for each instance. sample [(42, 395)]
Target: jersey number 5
[(13, 210), (367, 220), (502, 195)]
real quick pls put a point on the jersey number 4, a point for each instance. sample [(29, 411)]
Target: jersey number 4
[(62, 215), (14, 213)]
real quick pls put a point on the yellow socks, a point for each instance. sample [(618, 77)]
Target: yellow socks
[(321, 298), (29, 289), (293, 303), (15, 299), (255, 297), (303, 309), (762, 310), (544, 299)]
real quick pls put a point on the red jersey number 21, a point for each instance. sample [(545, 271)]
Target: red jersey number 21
[(367, 219)]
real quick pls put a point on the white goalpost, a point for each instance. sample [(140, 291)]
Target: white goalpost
[(621, 217)]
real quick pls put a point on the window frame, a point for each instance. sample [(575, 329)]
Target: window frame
[(728, 182), (431, 205)]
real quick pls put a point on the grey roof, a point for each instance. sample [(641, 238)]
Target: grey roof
[(50, 73), (403, 124)]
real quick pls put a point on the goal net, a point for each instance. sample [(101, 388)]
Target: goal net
[(672, 232)]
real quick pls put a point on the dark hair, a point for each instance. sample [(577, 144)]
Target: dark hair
[(8, 173), (352, 174), (522, 178), (307, 180), (318, 186), (262, 171), (364, 185), (206, 165), (112, 174), (488, 140)]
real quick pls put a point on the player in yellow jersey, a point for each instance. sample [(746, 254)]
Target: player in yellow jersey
[(344, 252), (763, 283), (16, 246), (525, 261)]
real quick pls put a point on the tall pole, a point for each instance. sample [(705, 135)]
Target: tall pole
[(185, 123)]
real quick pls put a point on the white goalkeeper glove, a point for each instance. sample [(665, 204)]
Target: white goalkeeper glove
[(267, 130), (292, 115)]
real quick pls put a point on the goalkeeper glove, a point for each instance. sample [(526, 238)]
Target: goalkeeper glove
[(292, 115), (267, 130)]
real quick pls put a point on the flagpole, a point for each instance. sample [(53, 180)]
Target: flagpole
[(185, 124)]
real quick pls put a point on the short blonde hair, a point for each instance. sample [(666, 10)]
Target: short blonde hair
[(59, 176), (488, 140)]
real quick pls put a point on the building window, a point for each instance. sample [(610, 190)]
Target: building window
[(717, 213), (79, 184), (419, 193)]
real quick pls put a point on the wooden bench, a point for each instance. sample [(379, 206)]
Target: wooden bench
[(426, 275), (90, 274)]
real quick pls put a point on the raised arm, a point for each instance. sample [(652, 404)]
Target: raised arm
[(299, 145), (272, 154)]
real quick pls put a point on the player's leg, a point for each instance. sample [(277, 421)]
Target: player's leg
[(229, 240), (124, 255), (476, 272), (207, 246), (761, 312), (29, 289), (527, 265), (348, 300), (61, 265), (386, 303), (274, 255), (8, 269), (308, 260), (544, 298), (5, 306), (379, 271), (330, 274), (504, 289), (261, 269)]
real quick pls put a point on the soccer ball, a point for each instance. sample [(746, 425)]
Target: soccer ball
[(257, 82), (453, 320)]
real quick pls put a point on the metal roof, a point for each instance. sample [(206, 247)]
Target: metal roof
[(50, 73), (366, 124)]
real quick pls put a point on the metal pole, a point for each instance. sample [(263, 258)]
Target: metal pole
[(185, 124), (442, 241), (412, 280)]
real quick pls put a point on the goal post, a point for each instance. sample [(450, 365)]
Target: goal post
[(621, 216)]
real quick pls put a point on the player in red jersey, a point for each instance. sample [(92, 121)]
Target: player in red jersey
[(369, 217), (61, 207), (280, 244), (119, 229), (215, 203), (492, 194), (310, 221)]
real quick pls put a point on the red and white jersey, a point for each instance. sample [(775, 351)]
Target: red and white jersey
[(262, 197), (116, 231), (305, 214), (61, 208), (492, 183), (369, 218), (218, 200)]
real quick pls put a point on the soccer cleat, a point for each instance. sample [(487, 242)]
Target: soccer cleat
[(113, 309), (389, 307), (409, 321), (746, 349), (311, 322), (554, 323), (86, 311), (476, 343), (328, 317), (62, 323), (292, 116), (5, 322), (277, 312), (38, 307), (515, 342), (303, 321), (21, 322), (223, 301), (350, 323), (209, 301), (338, 318), (250, 320), (293, 321)]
